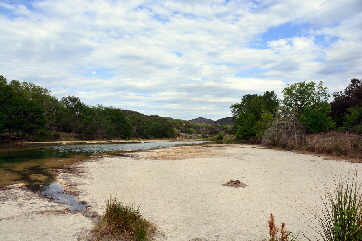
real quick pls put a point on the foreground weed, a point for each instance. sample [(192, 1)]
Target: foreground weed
[(274, 231), (123, 223), (341, 218)]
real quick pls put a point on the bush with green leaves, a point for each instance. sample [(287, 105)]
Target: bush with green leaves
[(309, 102), (120, 222), (345, 100), (353, 119), (341, 218), (250, 114)]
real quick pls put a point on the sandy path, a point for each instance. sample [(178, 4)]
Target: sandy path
[(186, 200), (180, 190)]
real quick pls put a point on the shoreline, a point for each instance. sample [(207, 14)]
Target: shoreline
[(180, 190)]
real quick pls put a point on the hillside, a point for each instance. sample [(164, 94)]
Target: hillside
[(222, 121)]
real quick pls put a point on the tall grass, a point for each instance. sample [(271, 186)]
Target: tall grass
[(341, 218), (342, 144), (335, 143), (122, 222)]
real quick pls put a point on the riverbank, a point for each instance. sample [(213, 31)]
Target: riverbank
[(181, 191)]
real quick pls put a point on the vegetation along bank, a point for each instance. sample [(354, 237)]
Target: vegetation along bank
[(29, 112), (304, 119)]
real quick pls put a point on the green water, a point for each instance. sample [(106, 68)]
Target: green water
[(34, 165)]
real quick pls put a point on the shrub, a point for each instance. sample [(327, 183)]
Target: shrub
[(285, 132), (220, 136), (341, 217), (123, 222)]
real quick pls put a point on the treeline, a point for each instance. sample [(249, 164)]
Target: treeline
[(153, 126), (29, 112), (304, 109)]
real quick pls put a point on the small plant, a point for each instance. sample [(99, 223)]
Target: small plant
[(274, 231), (342, 212), (123, 222), (220, 136)]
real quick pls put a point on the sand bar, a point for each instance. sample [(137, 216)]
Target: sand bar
[(180, 190)]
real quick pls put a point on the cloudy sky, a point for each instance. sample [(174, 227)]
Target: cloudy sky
[(179, 58)]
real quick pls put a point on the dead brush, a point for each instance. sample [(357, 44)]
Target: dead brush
[(274, 231), (335, 143)]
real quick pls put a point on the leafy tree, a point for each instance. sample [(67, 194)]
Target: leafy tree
[(265, 122), (4, 95), (353, 120), (343, 100), (73, 114), (252, 111), (20, 115), (151, 126), (118, 125), (309, 103)]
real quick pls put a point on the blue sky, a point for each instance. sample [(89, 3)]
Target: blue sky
[(180, 59)]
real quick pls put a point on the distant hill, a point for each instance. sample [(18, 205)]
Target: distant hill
[(202, 120), (199, 120), (225, 121), (222, 121)]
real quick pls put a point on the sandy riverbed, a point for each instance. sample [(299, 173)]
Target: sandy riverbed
[(181, 191)]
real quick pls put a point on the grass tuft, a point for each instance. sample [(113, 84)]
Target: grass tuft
[(121, 222), (341, 218)]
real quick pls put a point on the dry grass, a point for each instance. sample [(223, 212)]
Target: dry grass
[(178, 152), (275, 233), (345, 145), (336, 145)]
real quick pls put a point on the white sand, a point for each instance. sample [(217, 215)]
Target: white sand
[(185, 198), (180, 190), (25, 215)]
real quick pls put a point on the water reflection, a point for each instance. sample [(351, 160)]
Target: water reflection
[(36, 178), (34, 166)]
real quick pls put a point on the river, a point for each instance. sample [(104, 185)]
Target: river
[(34, 164)]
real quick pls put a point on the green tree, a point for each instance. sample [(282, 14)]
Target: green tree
[(251, 112), (20, 115), (309, 103), (118, 125), (264, 123), (344, 100), (73, 114), (151, 126), (353, 119)]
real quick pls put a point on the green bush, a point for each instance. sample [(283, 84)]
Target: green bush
[(124, 222), (341, 219)]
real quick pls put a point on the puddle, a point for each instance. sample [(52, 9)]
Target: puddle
[(55, 192)]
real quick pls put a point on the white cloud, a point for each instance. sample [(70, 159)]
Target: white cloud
[(178, 58)]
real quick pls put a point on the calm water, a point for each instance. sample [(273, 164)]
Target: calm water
[(34, 165), (66, 151)]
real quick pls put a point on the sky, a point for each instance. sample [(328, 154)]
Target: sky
[(181, 58)]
